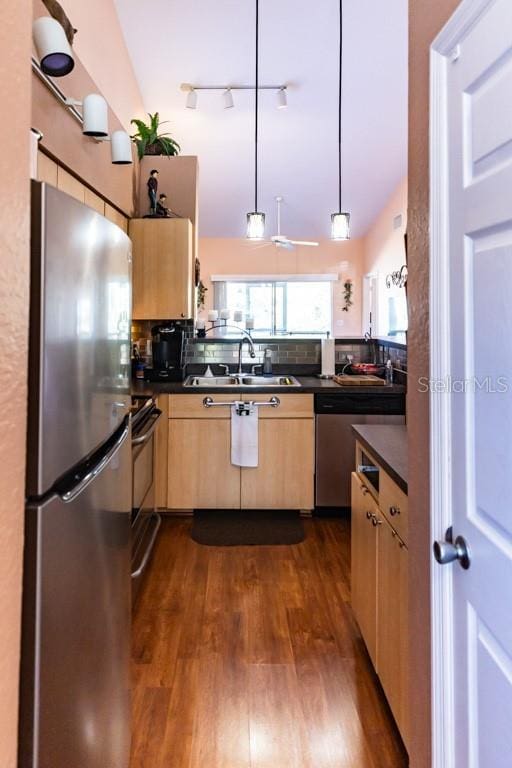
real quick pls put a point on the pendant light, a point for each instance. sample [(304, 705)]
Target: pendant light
[(340, 221), (255, 219)]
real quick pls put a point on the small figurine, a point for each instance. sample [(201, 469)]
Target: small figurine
[(152, 191), (161, 208)]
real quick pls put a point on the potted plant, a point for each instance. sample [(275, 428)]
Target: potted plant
[(150, 142)]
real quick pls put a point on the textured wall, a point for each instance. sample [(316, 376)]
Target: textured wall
[(384, 250), (230, 256), (101, 46), (15, 24), (425, 21), (87, 159)]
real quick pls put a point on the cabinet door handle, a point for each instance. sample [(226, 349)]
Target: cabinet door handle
[(394, 511), (368, 515), (364, 490), (376, 521)]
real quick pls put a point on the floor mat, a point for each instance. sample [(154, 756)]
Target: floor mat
[(240, 527)]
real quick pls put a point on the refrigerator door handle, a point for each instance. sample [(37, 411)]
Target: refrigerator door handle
[(82, 484)]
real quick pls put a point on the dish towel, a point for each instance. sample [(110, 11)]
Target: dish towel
[(244, 434)]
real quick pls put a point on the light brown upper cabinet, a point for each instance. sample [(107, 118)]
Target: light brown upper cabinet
[(163, 269)]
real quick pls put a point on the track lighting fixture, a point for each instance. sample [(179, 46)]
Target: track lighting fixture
[(53, 49), (227, 93), (340, 221), (282, 100), (227, 98), (192, 99)]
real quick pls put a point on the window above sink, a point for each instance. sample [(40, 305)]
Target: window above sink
[(280, 305)]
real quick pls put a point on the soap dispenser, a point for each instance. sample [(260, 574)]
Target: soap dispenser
[(267, 362)]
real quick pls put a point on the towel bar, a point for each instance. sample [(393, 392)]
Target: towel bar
[(208, 402)]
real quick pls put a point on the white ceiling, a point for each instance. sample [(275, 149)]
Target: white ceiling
[(205, 42)]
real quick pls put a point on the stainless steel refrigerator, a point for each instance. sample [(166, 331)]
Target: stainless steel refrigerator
[(75, 707)]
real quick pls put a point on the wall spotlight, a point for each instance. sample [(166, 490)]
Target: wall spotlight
[(121, 148), (227, 98), (192, 99), (53, 49), (95, 115), (282, 100)]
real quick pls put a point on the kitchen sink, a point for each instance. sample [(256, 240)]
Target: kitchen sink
[(242, 381)]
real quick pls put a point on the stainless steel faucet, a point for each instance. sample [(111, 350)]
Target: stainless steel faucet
[(252, 351)]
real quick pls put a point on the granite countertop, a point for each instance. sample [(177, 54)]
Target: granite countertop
[(309, 385), (388, 445)]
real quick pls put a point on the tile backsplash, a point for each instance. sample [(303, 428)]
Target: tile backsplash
[(285, 352)]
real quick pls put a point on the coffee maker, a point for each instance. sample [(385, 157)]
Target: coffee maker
[(167, 350)]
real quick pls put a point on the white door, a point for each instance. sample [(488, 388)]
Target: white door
[(471, 386)]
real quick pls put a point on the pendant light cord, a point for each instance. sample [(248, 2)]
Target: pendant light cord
[(256, 109), (340, 94)]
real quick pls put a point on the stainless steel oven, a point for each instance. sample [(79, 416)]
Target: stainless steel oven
[(145, 520)]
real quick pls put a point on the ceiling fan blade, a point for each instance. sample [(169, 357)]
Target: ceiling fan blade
[(304, 242)]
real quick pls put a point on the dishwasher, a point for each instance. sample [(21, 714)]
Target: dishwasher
[(335, 442)]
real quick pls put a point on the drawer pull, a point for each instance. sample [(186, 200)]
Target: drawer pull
[(368, 515), (376, 521), (394, 511)]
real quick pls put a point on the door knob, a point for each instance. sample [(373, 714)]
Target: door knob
[(448, 551)]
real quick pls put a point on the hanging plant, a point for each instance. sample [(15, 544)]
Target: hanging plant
[(201, 294), (150, 142), (347, 295)]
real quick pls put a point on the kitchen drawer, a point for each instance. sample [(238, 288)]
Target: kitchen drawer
[(192, 406), (393, 503), (290, 406)]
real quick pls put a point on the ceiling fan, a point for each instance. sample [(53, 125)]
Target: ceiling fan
[(281, 241)]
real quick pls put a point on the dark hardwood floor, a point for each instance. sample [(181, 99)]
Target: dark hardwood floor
[(249, 657)]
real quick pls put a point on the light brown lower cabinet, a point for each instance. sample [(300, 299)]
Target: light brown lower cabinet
[(284, 477), (379, 588), (364, 564), (200, 473), (392, 609)]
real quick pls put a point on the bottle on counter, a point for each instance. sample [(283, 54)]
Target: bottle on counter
[(267, 362), (389, 372)]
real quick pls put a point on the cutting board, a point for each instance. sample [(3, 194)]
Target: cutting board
[(362, 381)]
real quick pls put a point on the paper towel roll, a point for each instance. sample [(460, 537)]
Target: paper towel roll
[(328, 353)]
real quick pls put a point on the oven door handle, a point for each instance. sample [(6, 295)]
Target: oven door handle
[(142, 567), (141, 439)]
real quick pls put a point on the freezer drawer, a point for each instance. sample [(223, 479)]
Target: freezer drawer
[(335, 454), (75, 706)]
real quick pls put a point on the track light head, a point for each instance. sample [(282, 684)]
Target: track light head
[(95, 116), (53, 49), (121, 148), (227, 98), (282, 99), (192, 99)]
